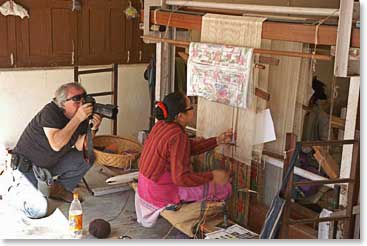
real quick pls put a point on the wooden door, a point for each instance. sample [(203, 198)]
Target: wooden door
[(141, 52), (107, 36), (7, 40), (48, 37), (101, 25)]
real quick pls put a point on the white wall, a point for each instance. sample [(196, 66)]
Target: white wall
[(24, 93)]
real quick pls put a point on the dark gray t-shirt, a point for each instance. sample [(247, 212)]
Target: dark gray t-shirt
[(33, 143)]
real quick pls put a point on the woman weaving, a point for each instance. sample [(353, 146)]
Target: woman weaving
[(165, 173)]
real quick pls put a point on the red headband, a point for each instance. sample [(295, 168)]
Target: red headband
[(163, 107)]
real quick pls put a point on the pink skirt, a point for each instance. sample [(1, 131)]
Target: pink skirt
[(164, 192), (152, 197)]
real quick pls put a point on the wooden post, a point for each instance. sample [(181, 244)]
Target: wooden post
[(146, 29), (348, 225), (115, 73), (76, 74), (346, 168), (173, 59), (185, 44), (349, 133), (356, 234), (326, 161), (343, 38), (163, 70), (163, 63), (290, 145)]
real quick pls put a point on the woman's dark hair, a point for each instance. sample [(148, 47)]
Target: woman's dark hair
[(319, 91), (174, 103)]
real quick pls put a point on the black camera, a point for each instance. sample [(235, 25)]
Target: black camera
[(105, 110)]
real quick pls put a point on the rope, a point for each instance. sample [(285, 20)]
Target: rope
[(200, 221), (313, 66), (332, 95), (122, 209), (318, 24), (155, 16), (170, 16), (169, 231)]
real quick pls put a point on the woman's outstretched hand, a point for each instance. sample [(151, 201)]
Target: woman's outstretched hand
[(227, 137)]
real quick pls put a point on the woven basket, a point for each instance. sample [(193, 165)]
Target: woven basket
[(121, 160)]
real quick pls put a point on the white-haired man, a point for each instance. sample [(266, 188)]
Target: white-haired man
[(48, 158)]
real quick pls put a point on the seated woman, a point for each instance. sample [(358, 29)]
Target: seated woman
[(165, 173)]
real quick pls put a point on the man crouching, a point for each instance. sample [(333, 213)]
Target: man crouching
[(48, 158)]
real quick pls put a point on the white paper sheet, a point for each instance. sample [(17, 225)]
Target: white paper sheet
[(264, 131), (233, 232)]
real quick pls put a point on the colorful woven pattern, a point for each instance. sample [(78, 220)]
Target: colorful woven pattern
[(219, 73), (213, 160)]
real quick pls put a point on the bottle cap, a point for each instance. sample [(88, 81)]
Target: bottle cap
[(75, 196)]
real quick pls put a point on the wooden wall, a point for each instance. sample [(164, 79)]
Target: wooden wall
[(55, 35)]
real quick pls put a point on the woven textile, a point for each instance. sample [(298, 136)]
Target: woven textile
[(213, 118), (232, 30), (239, 31), (219, 73)]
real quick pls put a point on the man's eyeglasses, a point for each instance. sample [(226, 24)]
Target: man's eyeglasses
[(188, 109), (76, 98)]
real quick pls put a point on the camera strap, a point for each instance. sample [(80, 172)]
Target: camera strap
[(89, 154)]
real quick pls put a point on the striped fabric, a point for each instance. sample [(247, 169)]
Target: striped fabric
[(168, 149), (272, 220)]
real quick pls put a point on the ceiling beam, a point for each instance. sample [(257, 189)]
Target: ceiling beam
[(257, 8), (293, 32)]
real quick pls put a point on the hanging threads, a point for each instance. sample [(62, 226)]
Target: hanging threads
[(319, 23), (313, 67)]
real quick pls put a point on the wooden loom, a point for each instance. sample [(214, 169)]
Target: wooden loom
[(273, 30)]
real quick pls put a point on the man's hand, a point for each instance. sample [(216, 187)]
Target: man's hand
[(96, 121), (58, 138), (226, 137), (84, 111), (220, 177)]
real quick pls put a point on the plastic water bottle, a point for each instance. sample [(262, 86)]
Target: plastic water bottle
[(76, 218)]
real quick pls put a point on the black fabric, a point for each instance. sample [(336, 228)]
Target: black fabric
[(90, 158), (33, 142), (149, 75), (150, 71)]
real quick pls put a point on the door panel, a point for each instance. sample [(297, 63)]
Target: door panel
[(47, 37), (7, 40)]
